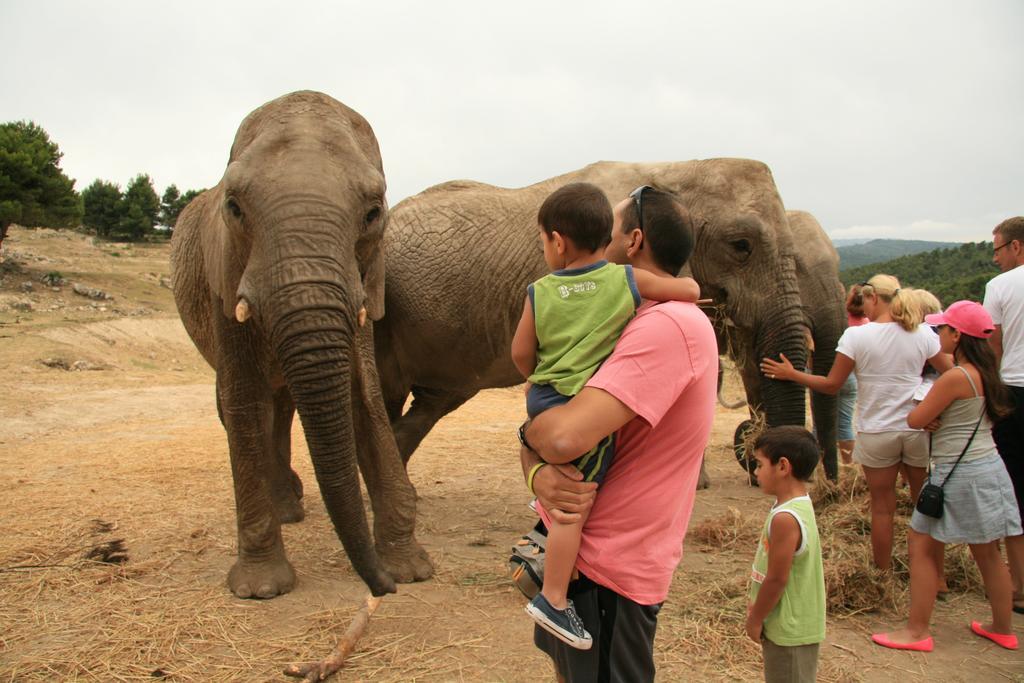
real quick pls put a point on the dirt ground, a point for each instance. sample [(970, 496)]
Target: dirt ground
[(125, 446)]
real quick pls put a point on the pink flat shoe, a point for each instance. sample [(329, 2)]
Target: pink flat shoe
[(926, 645), (1007, 640)]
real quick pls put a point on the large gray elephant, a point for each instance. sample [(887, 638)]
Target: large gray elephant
[(824, 308), (274, 272), (460, 255)]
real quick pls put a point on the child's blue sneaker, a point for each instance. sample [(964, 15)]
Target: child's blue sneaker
[(564, 624)]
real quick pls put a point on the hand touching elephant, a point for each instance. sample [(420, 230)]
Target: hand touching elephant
[(274, 271), (461, 254)]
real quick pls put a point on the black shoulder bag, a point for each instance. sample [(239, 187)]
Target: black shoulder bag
[(930, 501)]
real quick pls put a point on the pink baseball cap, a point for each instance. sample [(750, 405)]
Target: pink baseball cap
[(969, 317)]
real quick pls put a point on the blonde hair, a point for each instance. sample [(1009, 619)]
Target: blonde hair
[(904, 308), (928, 302)]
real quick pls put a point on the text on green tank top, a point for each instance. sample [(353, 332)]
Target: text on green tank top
[(578, 318)]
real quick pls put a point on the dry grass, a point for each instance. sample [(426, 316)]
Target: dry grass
[(135, 454), (852, 583)]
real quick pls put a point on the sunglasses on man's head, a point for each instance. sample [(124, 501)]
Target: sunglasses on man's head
[(637, 196)]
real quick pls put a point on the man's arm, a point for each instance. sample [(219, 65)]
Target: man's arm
[(996, 342), (663, 288), (559, 488), (566, 432), (783, 540)]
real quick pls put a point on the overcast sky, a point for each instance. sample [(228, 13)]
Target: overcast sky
[(884, 119)]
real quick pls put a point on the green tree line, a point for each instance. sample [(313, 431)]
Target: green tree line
[(949, 274), (134, 213), (34, 191)]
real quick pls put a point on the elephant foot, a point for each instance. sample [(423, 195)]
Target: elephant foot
[(265, 580), (405, 562)]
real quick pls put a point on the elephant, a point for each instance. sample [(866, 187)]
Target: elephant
[(274, 271), (460, 255)]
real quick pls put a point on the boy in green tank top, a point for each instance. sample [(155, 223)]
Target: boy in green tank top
[(786, 614), (571, 321)]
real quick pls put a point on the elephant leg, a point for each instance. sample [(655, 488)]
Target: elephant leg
[(823, 410), (262, 570), (703, 480), (428, 406), (392, 494), (285, 485)]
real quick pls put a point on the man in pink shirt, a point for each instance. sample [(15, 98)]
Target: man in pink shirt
[(657, 390)]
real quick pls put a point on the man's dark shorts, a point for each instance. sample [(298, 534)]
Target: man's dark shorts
[(1009, 437), (623, 633)]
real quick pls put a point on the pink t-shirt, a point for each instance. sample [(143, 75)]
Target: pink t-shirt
[(665, 369)]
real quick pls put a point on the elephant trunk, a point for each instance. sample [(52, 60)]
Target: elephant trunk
[(783, 331), (313, 337), (828, 325), (784, 403)]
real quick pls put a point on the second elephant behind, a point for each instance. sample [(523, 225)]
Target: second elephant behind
[(460, 255)]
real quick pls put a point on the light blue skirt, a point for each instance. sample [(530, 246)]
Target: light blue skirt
[(979, 504)]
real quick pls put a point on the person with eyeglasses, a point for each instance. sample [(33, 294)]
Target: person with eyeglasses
[(657, 393), (1004, 300), (887, 356)]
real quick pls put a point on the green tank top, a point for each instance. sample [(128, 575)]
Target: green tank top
[(579, 315), (799, 616)]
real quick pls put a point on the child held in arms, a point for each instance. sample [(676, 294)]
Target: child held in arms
[(571, 321), (786, 615)]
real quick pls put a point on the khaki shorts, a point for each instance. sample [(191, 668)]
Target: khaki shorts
[(885, 449), (790, 664)]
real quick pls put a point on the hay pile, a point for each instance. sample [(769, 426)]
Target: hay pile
[(852, 583), (713, 612)]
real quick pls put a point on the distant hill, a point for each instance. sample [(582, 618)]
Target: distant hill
[(949, 274), (878, 250), (850, 241)]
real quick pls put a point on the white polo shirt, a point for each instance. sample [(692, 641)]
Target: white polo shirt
[(888, 362), (1004, 301)]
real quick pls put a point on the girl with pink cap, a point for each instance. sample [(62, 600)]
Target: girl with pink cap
[(977, 504)]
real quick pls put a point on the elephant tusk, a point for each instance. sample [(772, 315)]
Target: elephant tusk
[(318, 671), (362, 316), (242, 311)]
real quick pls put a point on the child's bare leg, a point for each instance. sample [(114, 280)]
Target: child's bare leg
[(996, 578), (560, 559)]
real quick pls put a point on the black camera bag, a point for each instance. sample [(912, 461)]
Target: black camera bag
[(931, 500)]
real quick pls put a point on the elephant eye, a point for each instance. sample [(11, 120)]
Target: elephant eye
[(741, 247), (371, 215), (233, 207)]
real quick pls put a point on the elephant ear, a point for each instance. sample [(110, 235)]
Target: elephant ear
[(224, 266)]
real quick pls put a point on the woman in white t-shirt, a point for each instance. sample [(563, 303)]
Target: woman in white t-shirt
[(887, 355)]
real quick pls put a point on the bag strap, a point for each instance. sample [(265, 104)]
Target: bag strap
[(962, 453)]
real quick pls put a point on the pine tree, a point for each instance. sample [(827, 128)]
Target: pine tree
[(33, 189), (102, 204), (169, 206), (140, 208)]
